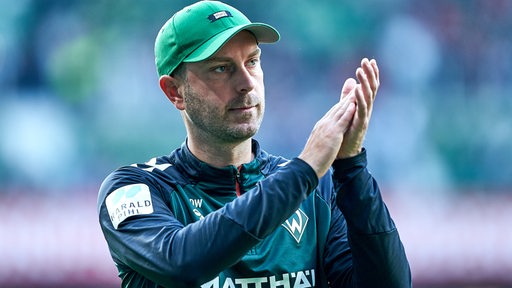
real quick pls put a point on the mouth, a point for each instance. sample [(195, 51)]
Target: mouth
[(244, 105), (243, 108)]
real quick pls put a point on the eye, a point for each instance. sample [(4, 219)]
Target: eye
[(253, 62), (220, 69)]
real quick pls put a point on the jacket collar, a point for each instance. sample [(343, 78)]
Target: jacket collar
[(221, 179)]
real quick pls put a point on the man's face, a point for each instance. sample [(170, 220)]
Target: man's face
[(224, 95)]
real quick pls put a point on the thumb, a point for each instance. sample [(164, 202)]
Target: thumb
[(348, 86)]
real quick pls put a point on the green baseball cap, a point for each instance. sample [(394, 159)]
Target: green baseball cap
[(197, 31)]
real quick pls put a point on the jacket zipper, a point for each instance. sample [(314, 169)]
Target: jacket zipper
[(237, 182)]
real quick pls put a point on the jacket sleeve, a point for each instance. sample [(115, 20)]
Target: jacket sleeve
[(376, 254), (163, 250)]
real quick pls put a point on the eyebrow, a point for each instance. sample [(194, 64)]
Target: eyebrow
[(256, 52)]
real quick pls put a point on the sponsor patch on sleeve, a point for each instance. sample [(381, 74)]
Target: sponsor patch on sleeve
[(128, 201)]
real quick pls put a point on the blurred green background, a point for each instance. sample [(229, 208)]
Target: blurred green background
[(79, 97)]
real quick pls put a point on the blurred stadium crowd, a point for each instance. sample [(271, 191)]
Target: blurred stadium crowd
[(79, 97)]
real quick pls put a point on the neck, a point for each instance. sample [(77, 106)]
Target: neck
[(222, 154)]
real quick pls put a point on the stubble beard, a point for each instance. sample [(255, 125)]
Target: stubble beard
[(210, 123)]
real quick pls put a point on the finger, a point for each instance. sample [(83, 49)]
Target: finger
[(362, 106), (373, 62), (347, 117), (340, 106), (344, 113), (348, 86), (375, 81), (365, 85), (337, 111), (371, 75), (346, 102)]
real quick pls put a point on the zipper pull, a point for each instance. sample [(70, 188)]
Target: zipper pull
[(237, 182)]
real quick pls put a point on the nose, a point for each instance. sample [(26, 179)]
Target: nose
[(244, 81)]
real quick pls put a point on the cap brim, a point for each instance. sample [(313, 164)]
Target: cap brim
[(264, 34)]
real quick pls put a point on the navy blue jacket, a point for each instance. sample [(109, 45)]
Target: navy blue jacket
[(178, 222)]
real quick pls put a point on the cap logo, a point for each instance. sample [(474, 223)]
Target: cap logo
[(219, 15)]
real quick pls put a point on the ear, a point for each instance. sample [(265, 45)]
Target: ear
[(169, 86)]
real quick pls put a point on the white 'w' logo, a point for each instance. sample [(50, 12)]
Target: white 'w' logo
[(296, 224)]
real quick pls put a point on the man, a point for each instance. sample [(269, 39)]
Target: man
[(221, 212)]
